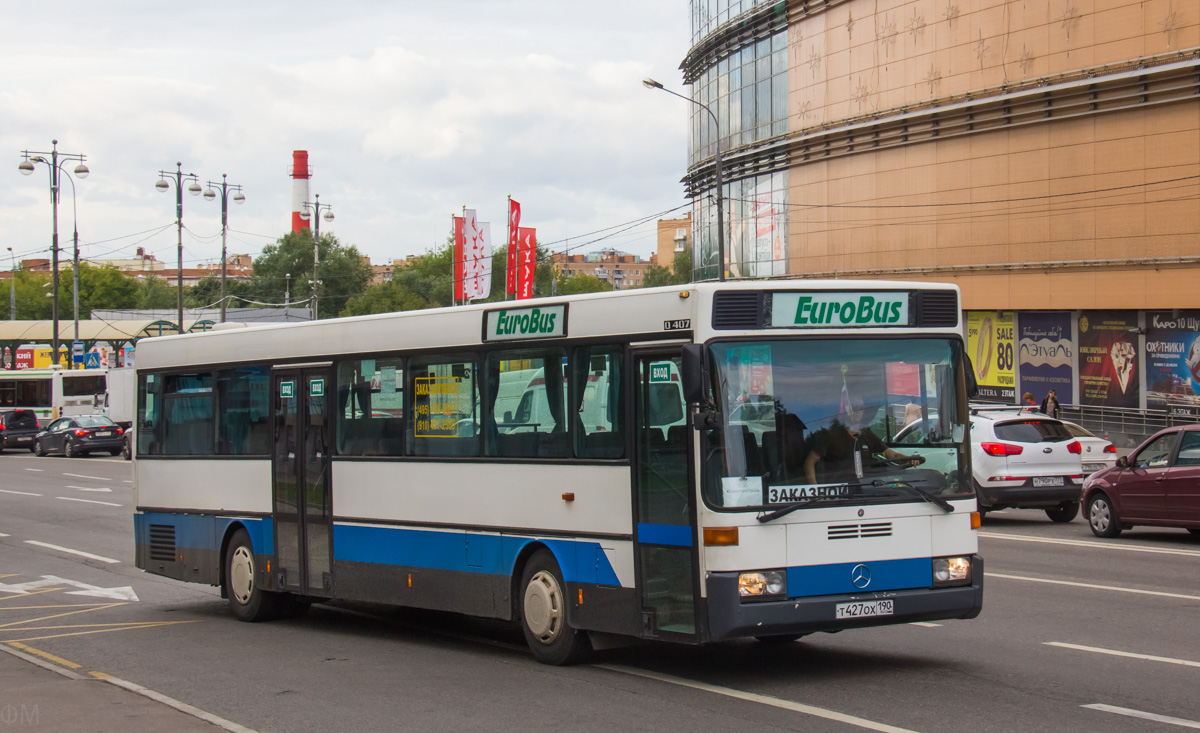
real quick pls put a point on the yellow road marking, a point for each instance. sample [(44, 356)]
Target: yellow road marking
[(29, 593), (43, 655), (60, 615), (61, 605), (102, 631), (100, 675), (93, 626)]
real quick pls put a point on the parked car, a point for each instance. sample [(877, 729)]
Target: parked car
[(80, 435), (1025, 460), (18, 428), (1098, 453), (1158, 484)]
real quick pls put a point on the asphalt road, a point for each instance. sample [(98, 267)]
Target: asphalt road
[(1070, 623)]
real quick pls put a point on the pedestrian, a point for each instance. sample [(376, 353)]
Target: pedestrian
[(1050, 404), (1027, 400)]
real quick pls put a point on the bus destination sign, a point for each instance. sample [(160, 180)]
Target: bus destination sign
[(509, 324), (836, 310)]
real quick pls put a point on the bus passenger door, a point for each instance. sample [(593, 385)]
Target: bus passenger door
[(664, 511), (303, 508)]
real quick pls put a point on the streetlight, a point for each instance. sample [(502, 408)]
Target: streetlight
[(239, 199), (287, 292), (312, 209), (651, 84), (194, 189), (75, 267), (55, 163), (12, 291)]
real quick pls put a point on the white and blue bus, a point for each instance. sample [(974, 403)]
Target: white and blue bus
[(693, 464), (53, 393)]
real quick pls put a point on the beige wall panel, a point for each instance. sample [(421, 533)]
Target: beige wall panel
[(1115, 52), (1068, 287), (1173, 217), (1125, 286), (1121, 154), (1029, 166), (953, 181), (1029, 137), (1074, 131), (1030, 232), (953, 149), (1173, 148), (1118, 24), (990, 170), (920, 182), (1173, 118), (1067, 227), (1126, 123), (1173, 288)]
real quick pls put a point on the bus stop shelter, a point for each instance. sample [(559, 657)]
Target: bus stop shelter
[(118, 334)]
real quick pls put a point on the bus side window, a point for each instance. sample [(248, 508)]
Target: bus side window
[(149, 421), (445, 407), (528, 393), (599, 406), (370, 407)]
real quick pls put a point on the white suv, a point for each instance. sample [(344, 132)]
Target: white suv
[(1025, 460)]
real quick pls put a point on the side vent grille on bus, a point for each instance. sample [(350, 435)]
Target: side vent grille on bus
[(737, 309), (937, 308), (855, 531), (162, 542)]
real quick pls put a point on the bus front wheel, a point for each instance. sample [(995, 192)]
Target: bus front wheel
[(543, 613), (247, 600)]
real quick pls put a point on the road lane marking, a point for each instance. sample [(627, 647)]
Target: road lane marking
[(36, 470), (1093, 586), (150, 625), (1181, 722), (924, 623), (44, 655), (1115, 653), (171, 702), (122, 593), (73, 552), (80, 475), (762, 699), (5, 535), (1088, 543), (89, 488), (94, 607), (22, 493), (86, 501), (24, 594)]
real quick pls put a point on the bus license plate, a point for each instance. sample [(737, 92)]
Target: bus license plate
[(859, 610), (1047, 480)]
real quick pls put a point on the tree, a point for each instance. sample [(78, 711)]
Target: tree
[(154, 292), (582, 283), (100, 288), (342, 271), (388, 297), (207, 293), (680, 272)]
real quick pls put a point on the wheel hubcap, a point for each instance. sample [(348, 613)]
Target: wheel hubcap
[(544, 607), (1100, 515), (241, 574)]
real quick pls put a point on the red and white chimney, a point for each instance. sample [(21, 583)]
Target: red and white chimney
[(299, 188)]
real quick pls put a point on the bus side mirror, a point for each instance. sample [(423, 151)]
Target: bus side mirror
[(695, 374), (972, 383)]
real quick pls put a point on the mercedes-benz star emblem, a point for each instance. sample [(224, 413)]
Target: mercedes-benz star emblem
[(860, 576)]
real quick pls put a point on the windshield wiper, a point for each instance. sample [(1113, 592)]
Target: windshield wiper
[(789, 508), (931, 498)]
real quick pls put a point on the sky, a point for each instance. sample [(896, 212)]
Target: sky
[(409, 110)]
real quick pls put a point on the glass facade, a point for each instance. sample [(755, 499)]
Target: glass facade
[(747, 92), (756, 228), (708, 15)]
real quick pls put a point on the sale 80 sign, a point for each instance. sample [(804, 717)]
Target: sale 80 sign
[(990, 346)]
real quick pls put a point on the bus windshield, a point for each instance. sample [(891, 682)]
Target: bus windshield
[(820, 423)]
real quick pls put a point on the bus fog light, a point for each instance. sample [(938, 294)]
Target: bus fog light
[(951, 570), (762, 584)]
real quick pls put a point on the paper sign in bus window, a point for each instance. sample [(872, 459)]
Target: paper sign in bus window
[(436, 402)]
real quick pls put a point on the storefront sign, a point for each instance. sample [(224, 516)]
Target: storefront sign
[(1046, 353), (1108, 359), (990, 346), (1173, 361)]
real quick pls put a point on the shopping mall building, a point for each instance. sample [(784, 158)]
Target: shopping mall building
[(1044, 156)]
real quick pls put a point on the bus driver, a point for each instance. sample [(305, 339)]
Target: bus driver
[(846, 447)]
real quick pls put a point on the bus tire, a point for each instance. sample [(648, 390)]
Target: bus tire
[(247, 601), (543, 613)]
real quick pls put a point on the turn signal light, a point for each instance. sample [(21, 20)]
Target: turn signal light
[(720, 536), (976, 520)]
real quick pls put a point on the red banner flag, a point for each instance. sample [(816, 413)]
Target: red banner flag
[(459, 257), (527, 258), (514, 222)]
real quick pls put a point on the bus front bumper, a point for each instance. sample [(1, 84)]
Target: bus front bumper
[(730, 618)]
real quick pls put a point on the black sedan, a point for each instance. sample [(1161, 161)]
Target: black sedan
[(80, 435)]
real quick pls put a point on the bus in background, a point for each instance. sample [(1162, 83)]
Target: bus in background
[(694, 464), (53, 393)]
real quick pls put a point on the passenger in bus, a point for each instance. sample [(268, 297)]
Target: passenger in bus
[(836, 446)]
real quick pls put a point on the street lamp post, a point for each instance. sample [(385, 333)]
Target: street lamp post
[(238, 198), (287, 293), (312, 209), (55, 163), (75, 268), (194, 189), (651, 84)]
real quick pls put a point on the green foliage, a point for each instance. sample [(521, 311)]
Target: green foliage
[(680, 272), (582, 283), (99, 288), (155, 292), (207, 293), (388, 297), (342, 272)]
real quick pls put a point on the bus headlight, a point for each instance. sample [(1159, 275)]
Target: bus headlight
[(949, 571), (762, 584)]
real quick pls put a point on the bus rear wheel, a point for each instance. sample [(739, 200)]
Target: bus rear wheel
[(543, 614), (247, 600)]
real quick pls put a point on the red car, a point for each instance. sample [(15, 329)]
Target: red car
[(1158, 484)]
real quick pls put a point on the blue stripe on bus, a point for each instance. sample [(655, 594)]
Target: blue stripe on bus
[(197, 531), (581, 561), (836, 579), (665, 534)]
